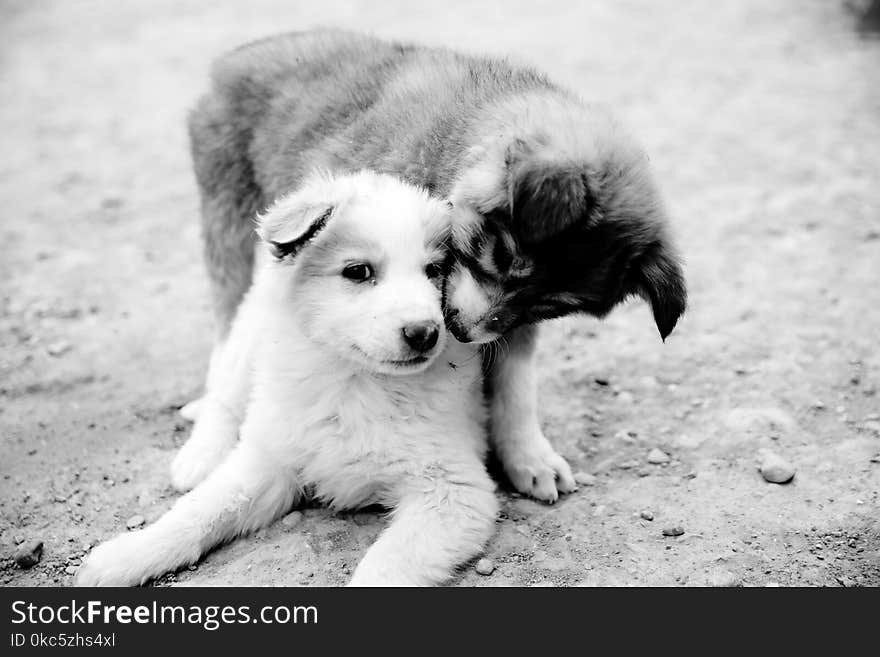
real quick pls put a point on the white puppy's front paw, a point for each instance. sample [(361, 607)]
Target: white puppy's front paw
[(366, 576), (365, 580), (121, 561), (194, 462), (213, 437), (534, 467)]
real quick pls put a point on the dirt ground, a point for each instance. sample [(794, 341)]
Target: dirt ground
[(763, 123)]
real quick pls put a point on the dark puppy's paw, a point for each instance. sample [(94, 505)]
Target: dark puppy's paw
[(535, 469)]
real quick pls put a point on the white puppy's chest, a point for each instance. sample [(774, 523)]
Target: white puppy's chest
[(356, 437)]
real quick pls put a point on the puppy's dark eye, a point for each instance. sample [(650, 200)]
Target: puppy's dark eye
[(358, 273), (434, 270)]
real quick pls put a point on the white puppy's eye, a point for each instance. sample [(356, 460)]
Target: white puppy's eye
[(434, 270), (359, 272)]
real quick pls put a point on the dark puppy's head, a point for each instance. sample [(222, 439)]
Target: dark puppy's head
[(558, 216)]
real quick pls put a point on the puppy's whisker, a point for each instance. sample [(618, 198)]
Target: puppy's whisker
[(470, 358), (493, 353), (505, 344)]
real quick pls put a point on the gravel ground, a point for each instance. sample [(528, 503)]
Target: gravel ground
[(763, 121)]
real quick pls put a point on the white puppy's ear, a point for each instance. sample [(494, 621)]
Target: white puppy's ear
[(291, 238), (296, 219)]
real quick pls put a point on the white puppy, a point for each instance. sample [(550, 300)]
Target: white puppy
[(339, 378)]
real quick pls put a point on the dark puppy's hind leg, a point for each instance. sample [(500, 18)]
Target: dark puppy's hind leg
[(230, 200)]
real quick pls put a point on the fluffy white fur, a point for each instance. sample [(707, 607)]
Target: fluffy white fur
[(325, 395)]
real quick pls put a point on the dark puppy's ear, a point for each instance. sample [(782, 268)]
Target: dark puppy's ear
[(293, 221), (545, 197), (656, 276)]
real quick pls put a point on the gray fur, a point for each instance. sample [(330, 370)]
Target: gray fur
[(282, 106)]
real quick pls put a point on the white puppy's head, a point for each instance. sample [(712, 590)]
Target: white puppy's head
[(362, 259)]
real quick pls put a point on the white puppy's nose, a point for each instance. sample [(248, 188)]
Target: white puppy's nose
[(421, 336)]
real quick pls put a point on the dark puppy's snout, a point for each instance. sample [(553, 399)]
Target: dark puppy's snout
[(455, 326), (421, 336)]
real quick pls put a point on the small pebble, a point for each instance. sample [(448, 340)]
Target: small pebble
[(292, 519), (485, 566), (723, 578), (58, 348), (584, 479), (677, 530), (776, 469), (873, 426), (658, 457), (135, 521), (71, 570), (646, 515), (625, 436), (28, 554)]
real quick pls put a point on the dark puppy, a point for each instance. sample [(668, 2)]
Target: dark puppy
[(557, 211)]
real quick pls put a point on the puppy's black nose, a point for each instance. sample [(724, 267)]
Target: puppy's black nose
[(458, 331), (454, 327), (421, 336)]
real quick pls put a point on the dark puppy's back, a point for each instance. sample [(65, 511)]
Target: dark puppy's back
[(347, 101)]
